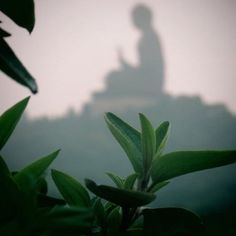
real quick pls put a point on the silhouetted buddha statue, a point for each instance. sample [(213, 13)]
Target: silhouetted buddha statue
[(151, 63), (138, 85), (145, 79)]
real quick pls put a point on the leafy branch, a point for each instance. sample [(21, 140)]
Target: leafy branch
[(27, 209)]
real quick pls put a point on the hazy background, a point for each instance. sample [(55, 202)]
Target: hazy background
[(172, 60), (74, 45)]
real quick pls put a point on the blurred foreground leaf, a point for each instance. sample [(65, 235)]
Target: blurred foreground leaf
[(3, 167), (13, 67), (9, 120), (21, 12), (31, 174), (4, 33), (9, 197)]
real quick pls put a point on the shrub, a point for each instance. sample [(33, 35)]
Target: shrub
[(27, 209)]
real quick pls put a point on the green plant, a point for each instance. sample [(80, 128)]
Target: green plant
[(22, 13), (27, 209)]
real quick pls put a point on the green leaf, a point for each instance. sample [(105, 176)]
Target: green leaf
[(11, 228), (121, 197), (99, 211), (21, 12), (13, 67), (128, 138), (117, 180), (161, 137), (42, 186), (9, 197), (148, 140), (28, 180), (31, 174), (9, 120), (109, 206), (3, 167), (170, 221), (130, 181), (72, 191), (68, 218), (179, 163), (113, 222), (3, 33), (156, 187)]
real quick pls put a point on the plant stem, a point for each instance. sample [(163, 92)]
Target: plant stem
[(129, 215)]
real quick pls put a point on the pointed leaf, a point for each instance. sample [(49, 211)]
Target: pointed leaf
[(179, 163), (31, 174), (68, 218), (3, 167), (113, 222), (156, 187), (109, 206), (9, 197), (72, 191), (3, 33), (170, 221), (12, 66), (99, 211), (21, 12), (125, 128), (128, 138), (148, 141), (130, 180), (121, 197), (42, 186), (9, 119), (117, 180), (161, 134)]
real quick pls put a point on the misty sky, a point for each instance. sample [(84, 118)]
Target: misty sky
[(75, 45)]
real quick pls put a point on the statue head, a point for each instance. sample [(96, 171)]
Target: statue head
[(142, 16)]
